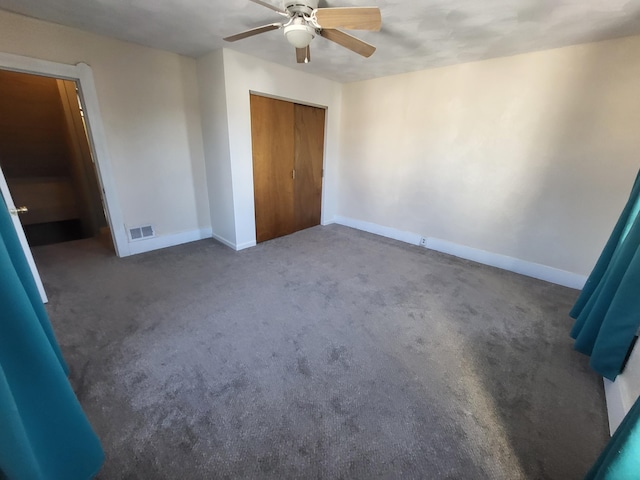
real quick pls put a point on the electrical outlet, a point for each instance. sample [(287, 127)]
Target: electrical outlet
[(423, 241)]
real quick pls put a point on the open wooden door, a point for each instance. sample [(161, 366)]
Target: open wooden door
[(287, 142), (15, 211)]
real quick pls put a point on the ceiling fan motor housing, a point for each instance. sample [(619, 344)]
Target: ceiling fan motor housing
[(298, 33), (304, 7)]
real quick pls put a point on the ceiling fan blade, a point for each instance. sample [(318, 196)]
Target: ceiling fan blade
[(348, 41), (303, 55), (268, 5), (351, 18), (252, 32)]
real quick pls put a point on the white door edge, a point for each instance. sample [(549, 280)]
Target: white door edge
[(4, 189)]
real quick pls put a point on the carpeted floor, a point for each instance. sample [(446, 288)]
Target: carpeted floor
[(330, 353)]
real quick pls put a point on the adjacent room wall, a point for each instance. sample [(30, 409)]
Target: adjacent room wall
[(150, 108), (530, 156), (245, 74)]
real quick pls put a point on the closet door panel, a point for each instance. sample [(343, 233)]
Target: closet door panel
[(309, 146), (272, 140)]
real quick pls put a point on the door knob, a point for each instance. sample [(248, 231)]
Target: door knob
[(17, 210)]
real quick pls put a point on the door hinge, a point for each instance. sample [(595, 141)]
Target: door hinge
[(293, 174)]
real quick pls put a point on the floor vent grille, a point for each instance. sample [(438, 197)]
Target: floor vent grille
[(142, 232)]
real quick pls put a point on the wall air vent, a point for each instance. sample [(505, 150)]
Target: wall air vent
[(140, 233)]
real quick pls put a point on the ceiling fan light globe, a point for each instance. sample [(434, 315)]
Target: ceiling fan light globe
[(299, 36)]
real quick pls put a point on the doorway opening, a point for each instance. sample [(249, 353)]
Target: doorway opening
[(47, 160), (82, 75)]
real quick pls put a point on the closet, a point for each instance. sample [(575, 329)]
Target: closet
[(287, 141)]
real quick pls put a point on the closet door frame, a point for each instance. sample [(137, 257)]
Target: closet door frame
[(293, 102)]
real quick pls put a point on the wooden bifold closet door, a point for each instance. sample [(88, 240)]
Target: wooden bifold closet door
[(287, 141)]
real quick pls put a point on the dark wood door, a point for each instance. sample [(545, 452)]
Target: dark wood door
[(273, 150), (287, 140), (309, 147)]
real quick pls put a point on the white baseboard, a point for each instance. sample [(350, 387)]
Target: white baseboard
[(223, 240), (408, 237), (230, 244), (164, 241), (523, 267), (242, 246)]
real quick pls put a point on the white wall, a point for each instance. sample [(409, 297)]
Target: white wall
[(623, 393), (629, 380), (215, 129), (531, 156), (150, 109), (245, 74)]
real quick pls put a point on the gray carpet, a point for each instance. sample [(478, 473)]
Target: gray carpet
[(330, 353)]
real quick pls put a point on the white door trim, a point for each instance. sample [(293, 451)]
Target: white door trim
[(83, 74)]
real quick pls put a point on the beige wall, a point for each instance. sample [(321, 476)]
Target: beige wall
[(150, 109), (530, 156)]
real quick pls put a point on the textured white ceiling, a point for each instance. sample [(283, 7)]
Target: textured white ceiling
[(416, 34)]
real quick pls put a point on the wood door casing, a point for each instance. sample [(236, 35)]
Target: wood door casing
[(272, 142), (309, 147), (82, 168)]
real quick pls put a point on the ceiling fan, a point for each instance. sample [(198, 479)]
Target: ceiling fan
[(305, 20)]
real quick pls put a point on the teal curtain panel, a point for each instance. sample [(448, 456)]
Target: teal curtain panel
[(44, 434), (607, 311), (620, 459)]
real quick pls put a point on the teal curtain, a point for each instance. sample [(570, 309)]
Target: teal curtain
[(620, 460), (607, 312), (44, 434)]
